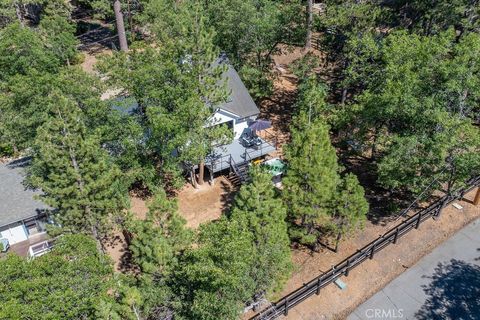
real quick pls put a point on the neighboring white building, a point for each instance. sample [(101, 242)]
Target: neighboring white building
[(21, 216)]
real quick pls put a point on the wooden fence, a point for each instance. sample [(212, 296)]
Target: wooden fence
[(367, 252)]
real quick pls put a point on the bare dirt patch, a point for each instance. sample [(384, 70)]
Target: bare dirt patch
[(139, 207), (279, 107), (91, 58), (206, 203), (116, 248), (197, 206), (115, 245), (372, 275)]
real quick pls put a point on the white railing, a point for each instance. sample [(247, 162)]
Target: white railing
[(40, 249)]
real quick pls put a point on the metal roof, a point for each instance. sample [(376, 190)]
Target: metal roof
[(16, 200), (240, 102)]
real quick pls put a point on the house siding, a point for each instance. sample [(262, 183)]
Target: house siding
[(14, 233), (222, 116)]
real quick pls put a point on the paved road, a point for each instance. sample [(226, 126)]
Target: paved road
[(445, 284)]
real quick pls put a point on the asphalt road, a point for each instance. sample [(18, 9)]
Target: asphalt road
[(444, 284)]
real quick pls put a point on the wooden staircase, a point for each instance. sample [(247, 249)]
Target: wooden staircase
[(238, 172)]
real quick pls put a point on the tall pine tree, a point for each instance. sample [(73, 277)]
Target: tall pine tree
[(156, 247), (349, 207), (77, 177), (258, 207), (311, 179)]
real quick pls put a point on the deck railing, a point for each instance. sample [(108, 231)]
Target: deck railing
[(270, 138), (40, 248), (223, 162), (315, 285)]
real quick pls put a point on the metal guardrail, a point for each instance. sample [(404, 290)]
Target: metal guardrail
[(314, 286)]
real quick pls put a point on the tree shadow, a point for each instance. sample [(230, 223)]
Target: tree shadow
[(385, 205), (96, 36), (454, 292), (227, 196)]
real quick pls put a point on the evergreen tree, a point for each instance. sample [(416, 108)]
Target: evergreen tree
[(25, 104), (23, 50), (159, 238), (250, 32), (77, 177), (312, 100), (424, 101), (177, 83), (311, 179), (349, 207), (214, 279), (70, 282), (157, 244), (258, 207)]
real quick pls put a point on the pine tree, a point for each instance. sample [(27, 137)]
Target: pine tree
[(311, 179), (70, 282), (312, 100), (77, 177), (177, 84), (156, 247), (159, 239), (259, 209), (215, 277), (349, 207)]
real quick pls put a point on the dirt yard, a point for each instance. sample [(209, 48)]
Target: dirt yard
[(372, 275), (197, 206), (206, 203)]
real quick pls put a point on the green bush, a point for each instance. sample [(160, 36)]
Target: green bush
[(6, 150)]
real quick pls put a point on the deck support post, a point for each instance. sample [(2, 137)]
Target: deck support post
[(318, 286), (347, 269), (372, 252), (285, 313)]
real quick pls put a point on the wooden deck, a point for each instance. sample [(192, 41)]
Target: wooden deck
[(219, 160), (21, 248)]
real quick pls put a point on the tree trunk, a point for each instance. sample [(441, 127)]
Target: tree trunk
[(136, 312), (130, 20), (98, 242), (122, 37), (339, 236), (308, 40), (192, 177), (19, 14), (201, 172), (344, 95)]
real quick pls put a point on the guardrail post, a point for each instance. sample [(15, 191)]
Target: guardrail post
[(285, 313), (439, 209), (318, 286), (395, 237), (347, 268), (372, 252), (418, 220)]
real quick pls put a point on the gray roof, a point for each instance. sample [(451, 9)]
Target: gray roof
[(16, 200), (240, 102)]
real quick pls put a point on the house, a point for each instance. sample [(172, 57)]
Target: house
[(238, 112), (239, 109), (21, 216)]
